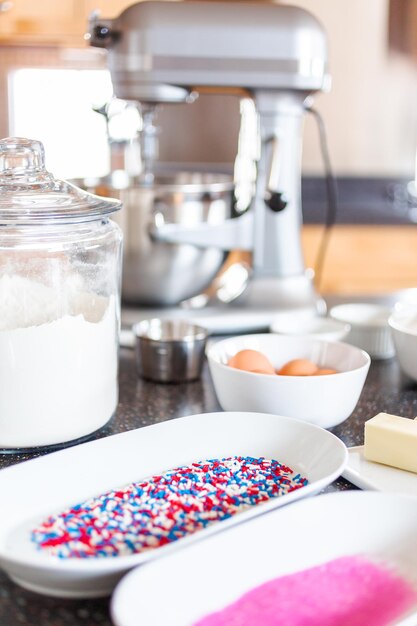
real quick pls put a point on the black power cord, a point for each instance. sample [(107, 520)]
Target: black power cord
[(332, 197)]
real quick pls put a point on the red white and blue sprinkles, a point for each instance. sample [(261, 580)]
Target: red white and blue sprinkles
[(151, 513)]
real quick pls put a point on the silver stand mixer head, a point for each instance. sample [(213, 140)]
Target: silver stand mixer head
[(166, 51)]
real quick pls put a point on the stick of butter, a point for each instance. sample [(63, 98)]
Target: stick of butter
[(392, 440)]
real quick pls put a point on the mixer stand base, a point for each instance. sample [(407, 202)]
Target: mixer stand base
[(264, 300)]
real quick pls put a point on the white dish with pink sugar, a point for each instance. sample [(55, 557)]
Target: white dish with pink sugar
[(185, 587)]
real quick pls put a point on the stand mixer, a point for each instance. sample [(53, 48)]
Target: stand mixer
[(169, 52)]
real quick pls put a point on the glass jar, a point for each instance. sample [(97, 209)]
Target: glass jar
[(60, 268)]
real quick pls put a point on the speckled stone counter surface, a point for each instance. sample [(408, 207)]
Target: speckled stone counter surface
[(143, 403)]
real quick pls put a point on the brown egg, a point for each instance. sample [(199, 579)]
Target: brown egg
[(251, 361), (324, 371), (298, 367)]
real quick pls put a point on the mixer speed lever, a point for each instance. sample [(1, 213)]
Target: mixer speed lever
[(275, 200)]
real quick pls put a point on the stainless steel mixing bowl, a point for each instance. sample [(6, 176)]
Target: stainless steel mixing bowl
[(157, 273)]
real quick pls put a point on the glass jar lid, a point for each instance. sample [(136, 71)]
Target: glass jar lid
[(29, 194)]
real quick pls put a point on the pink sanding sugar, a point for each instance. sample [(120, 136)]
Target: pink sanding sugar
[(349, 591)]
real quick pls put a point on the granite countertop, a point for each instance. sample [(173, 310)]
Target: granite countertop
[(143, 403)]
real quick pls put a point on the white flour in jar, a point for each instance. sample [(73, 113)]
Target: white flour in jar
[(58, 362)]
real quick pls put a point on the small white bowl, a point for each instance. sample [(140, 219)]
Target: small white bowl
[(322, 400), (369, 327), (403, 324), (324, 328)]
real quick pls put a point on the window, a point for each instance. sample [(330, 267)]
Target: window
[(56, 107)]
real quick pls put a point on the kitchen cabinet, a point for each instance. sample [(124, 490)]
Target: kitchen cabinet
[(107, 8), (364, 258), (50, 22), (360, 259)]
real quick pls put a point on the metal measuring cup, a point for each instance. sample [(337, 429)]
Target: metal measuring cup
[(169, 351)]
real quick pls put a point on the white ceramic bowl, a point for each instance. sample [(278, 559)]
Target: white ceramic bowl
[(369, 327), (322, 400), (403, 324), (324, 328)]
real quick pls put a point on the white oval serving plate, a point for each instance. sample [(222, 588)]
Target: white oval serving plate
[(32, 490), (210, 575)]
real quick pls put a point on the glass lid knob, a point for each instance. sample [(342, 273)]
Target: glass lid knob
[(22, 162)]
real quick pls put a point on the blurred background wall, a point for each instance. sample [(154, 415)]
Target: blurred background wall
[(370, 112)]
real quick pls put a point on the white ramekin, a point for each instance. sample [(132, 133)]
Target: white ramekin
[(369, 327)]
